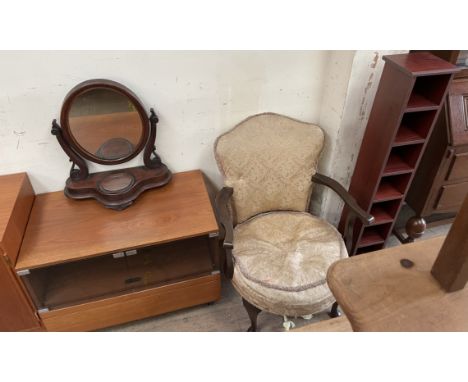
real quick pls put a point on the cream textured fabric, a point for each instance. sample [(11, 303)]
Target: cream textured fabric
[(268, 160), (281, 262)]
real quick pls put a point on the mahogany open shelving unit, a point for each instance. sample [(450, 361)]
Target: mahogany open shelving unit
[(406, 105)]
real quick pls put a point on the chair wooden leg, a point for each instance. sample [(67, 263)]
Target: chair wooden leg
[(253, 312), (334, 312)]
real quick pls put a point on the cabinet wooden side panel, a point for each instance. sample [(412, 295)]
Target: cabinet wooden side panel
[(134, 306), (23, 198), (16, 313)]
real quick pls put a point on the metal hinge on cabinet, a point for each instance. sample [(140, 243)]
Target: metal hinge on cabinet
[(119, 255), (23, 272)]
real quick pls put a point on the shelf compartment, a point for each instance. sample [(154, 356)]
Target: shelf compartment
[(407, 136), (414, 128), (374, 235), (428, 92), (391, 188), (402, 159), (370, 248), (385, 212), (100, 277)]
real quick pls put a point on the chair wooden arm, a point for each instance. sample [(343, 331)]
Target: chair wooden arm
[(226, 221), (354, 209), (345, 195)]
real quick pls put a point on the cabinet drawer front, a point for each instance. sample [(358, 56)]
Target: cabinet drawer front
[(458, 168), (458, 111), (134, 306), (16, 314), (451, 197)]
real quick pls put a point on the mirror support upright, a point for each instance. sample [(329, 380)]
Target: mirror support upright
[(76, 174), (150, 147)]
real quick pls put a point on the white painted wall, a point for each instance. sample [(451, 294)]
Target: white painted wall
[(197, 96)]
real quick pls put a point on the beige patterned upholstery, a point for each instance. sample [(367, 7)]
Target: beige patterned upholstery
[(281, 253), (281, 262), (268, 160)]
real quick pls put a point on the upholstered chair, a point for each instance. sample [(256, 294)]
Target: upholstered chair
[(275, 252)]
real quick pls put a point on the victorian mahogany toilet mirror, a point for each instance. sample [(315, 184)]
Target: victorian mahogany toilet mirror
[(104, 122)]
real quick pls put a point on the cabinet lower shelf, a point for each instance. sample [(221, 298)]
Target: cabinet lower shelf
[(59, 286)]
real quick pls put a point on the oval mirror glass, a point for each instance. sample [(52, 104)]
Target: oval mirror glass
[(105, 124)]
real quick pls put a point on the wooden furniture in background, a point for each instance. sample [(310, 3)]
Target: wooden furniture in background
[(16, 199), (441, 180), (406, 105), (451, 266), (86, 267)]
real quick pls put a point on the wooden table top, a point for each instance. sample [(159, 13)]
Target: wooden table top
[(378, 294), (62, 230)]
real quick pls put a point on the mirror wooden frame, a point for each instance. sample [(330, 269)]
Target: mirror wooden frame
[(86, 87), (82, 185)]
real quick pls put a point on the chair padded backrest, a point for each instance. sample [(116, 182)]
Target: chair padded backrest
[(269, 159)]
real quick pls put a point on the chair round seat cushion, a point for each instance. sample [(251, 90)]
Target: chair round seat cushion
[(282, 259)]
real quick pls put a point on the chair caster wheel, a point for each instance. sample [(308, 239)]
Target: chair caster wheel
[(287, 324)]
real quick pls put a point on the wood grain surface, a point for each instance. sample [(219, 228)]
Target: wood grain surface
[(339, 324), (421, 64), (451, 266), (16, 199), (378, 294), (16, 313), (133, 306), (62, 230)]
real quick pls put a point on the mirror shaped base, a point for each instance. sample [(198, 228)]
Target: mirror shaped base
[(118, 189)]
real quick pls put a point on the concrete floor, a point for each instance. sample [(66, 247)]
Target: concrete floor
[(228, 314)]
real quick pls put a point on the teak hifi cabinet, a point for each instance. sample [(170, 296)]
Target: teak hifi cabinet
[(86, 267), (409, 97)]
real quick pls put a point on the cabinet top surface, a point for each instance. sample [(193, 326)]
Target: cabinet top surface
[(10, 186), (378, 294), (63, 230), (421, 64)]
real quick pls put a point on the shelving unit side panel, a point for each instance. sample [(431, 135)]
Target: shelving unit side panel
[(426, 173)]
